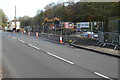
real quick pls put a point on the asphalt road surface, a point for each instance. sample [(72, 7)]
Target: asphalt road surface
[(30, 57)]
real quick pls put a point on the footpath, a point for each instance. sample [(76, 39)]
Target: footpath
[(93, 46)]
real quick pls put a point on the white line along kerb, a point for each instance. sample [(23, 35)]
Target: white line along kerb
[(60, 58), (102, 75)]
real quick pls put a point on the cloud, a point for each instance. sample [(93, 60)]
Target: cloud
[(24, 7)]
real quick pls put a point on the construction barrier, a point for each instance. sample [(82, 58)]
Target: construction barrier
[(36, 34)]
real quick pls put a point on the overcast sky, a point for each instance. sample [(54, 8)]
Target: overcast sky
[(30, 7), (24, 7)]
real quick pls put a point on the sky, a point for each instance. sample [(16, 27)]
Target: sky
[(23, 7), (29, 7)]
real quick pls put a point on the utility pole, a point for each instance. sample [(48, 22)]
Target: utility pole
[(15, 18)]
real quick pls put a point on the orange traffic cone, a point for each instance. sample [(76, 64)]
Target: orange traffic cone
[(14, 31), (88, 35), (61, 39), (28, 33), (22, 33), (36, 34)]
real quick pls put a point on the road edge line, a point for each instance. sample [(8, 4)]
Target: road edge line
[(101, 75)]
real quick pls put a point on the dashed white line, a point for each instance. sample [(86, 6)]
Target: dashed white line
[(22, 41), (13, 37), (30, 45), (60, 58), (102, 75), (34, 46), (52, 55)]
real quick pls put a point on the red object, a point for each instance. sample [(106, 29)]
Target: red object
[(36, 34), (22, 33), (61, 39), (29, 33), (88, 35)]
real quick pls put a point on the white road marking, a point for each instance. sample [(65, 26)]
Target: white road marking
[(13, 37), (22, 41), (102, 75), (34, 46), (60, 58), (30, 45)]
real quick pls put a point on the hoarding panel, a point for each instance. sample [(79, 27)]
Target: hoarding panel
[(69, 25), (17, 25), (84, 24), (13, 24)]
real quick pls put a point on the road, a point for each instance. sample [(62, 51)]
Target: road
[(29, 57)]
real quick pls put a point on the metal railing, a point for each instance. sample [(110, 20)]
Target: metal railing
[(109, 38)]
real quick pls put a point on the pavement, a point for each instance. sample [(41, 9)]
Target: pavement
[(30, 57), (93, 46)]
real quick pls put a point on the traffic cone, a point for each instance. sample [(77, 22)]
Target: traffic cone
[(29, 33), (36, 34), (88, 35), (14, 31), (22, 33), (61, 39)]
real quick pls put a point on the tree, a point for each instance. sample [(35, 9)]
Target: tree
[(75, 12), (3, 18), (25, 21)]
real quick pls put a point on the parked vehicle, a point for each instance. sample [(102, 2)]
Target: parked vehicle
[(11, 26), (91, 34)]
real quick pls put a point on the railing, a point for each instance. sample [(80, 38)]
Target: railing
[(109, 38)]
